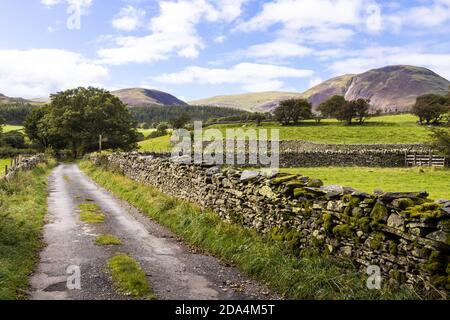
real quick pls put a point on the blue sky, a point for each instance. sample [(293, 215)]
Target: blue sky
[(200, 48)]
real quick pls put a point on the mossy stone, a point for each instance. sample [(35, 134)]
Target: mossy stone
[(328, 222), (283, 179), (403, 203), (379, 213), (377, 241), (343, 231), (430, 210)]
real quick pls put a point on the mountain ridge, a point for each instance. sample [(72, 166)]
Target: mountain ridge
[(135, 97), (390, 89)]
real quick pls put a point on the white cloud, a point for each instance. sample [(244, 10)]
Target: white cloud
[(277, 49), (50, 3), (220, 39), (79, 3), (435, 14), (38, 72), (129, 19), (298, 14), (252, 77), (375, 57), (173, 31)]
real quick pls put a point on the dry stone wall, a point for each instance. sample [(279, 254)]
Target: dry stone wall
[(25, 163), (405, 234)]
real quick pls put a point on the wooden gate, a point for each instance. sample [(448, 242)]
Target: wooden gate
[(420, 160)]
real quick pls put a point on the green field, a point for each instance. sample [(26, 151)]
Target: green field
[(160, 144), (395, 129), (435, 181), (3, 163), (8, 128), (146, 132)]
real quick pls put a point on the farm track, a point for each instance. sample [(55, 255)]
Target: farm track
[(173, 270)]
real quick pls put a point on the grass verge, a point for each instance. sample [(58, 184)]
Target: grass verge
[(310, 276), (128, 277), (107, 240), (91, 213), (23, 204)]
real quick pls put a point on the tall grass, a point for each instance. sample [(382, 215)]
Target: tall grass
[(309, 276), (23, 204)]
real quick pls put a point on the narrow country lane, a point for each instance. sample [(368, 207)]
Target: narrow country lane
[(173, 270)]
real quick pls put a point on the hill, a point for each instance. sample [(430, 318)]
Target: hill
[(261, 101), (135, 97), (8, 100), (390, 89)]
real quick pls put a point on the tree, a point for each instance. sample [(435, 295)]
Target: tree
[(361, 107), (282, 114), (328, 108), (442, 140), (293, 110), (14, 139), (353, 109), (259, 117), (430, 108), (76, 118), (180, 122), (37, 128)]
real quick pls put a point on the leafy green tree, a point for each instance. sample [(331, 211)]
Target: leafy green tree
[(353, 109), (442, 140), (259, 117), (430, 108), (328, 108), (293, 110), (37, 128), (180, 122), (76, 118), (14, 139), (361, 107)]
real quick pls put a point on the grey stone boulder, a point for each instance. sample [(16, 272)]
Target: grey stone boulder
[(249, 175), (333, 189), (396, 221), (212, 171), (440, 236)]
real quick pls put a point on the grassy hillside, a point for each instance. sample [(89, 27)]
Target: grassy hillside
[(248, 101), (139, 96), (435, 181)]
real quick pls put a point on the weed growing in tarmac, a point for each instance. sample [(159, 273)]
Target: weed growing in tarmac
[(129, 278), (107, 240), (91, 213)]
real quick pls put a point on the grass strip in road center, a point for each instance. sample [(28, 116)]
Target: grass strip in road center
[(91, 213), (129, 278), (107, 240)]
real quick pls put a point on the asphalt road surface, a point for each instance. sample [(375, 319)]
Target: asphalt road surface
[(173, 269)]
